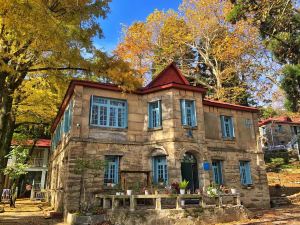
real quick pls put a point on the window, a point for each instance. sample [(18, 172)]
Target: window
[(279, 128), (245, 173), (217, 172), (154, 114), (227, 127), (188, 113), (160, 169), (295, 130), (264, 130), (111, 174), (108, 112), (68, 118)]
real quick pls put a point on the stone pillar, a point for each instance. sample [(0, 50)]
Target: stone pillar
[(43, 179)]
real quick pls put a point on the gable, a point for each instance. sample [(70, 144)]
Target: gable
[(171, 74)]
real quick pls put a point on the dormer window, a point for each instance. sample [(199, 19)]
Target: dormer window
[(106, 112), (188, 113)]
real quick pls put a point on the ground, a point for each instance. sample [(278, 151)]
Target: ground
[(26, 213), (31, 213)]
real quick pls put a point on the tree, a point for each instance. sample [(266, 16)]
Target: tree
[(208, 49), (279, 25), (56, 39)]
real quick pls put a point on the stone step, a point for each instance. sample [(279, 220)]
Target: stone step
[(280, 201)]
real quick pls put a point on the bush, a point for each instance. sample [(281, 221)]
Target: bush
[(275, 164)]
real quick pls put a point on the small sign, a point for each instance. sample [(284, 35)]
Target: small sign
[(206, 166)]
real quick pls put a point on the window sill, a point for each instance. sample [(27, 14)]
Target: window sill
[(108, 128), (155, 128), (189, 127), (229, 139), (105, 187), (248, 186)]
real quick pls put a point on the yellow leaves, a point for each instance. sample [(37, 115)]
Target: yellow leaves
[(38, 99)]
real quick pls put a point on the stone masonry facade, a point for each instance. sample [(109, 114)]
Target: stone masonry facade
[(136, 144)]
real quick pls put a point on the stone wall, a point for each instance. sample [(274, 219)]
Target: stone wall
[(137, 144)]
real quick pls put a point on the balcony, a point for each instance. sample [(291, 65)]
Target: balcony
[(36, 162)]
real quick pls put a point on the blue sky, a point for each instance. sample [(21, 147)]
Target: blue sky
[(126, 12)]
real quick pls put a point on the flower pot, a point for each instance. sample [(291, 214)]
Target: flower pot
[(233, 191), (129, 192), (182, 202), (146, 192), (182, 191)]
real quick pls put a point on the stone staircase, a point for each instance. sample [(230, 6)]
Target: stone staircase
[(280, 201)]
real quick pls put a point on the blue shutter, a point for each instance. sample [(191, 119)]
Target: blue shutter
[(183, 112), (149, 115), (223, 127), (231, 128), (70, 114), (248, 173), (116, 175), (242, 172), (154, 170), (160, 114), (126, 116), (194, 116), (220, 172), (91, 109)]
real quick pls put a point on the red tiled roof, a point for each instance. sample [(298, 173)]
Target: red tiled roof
[(280, 120), (226, 105), (42, 143)]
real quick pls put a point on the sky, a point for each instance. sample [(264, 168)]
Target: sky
[(126, 12)]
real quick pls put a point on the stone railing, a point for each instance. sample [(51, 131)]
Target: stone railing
[(113, 201)]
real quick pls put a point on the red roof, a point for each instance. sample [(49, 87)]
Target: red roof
[(42, 143), (229, 105), (171, 74), (280, 120), (170, 77)]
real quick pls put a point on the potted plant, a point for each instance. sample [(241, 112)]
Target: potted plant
[(145, 190), (161, 182), (182, 186), (233, 191), (212, 191), (128, 192)]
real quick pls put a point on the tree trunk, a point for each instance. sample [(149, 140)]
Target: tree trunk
[(7, 123)]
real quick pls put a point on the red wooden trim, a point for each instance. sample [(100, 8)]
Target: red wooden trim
[(229, 106)]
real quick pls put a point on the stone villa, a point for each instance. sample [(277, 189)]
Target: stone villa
[(280, 133), (164, 132)]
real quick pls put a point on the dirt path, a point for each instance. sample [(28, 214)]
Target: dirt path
[(26, 213), (284, 215)]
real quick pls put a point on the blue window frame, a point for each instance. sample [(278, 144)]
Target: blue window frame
[(154, 114), (160, 169), (111, 173), (107, 112), (188, 112), (217, 172), (68, 118), (227, 127), (245, 173)]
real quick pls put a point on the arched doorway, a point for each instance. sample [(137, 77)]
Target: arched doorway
[(189, 171)]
